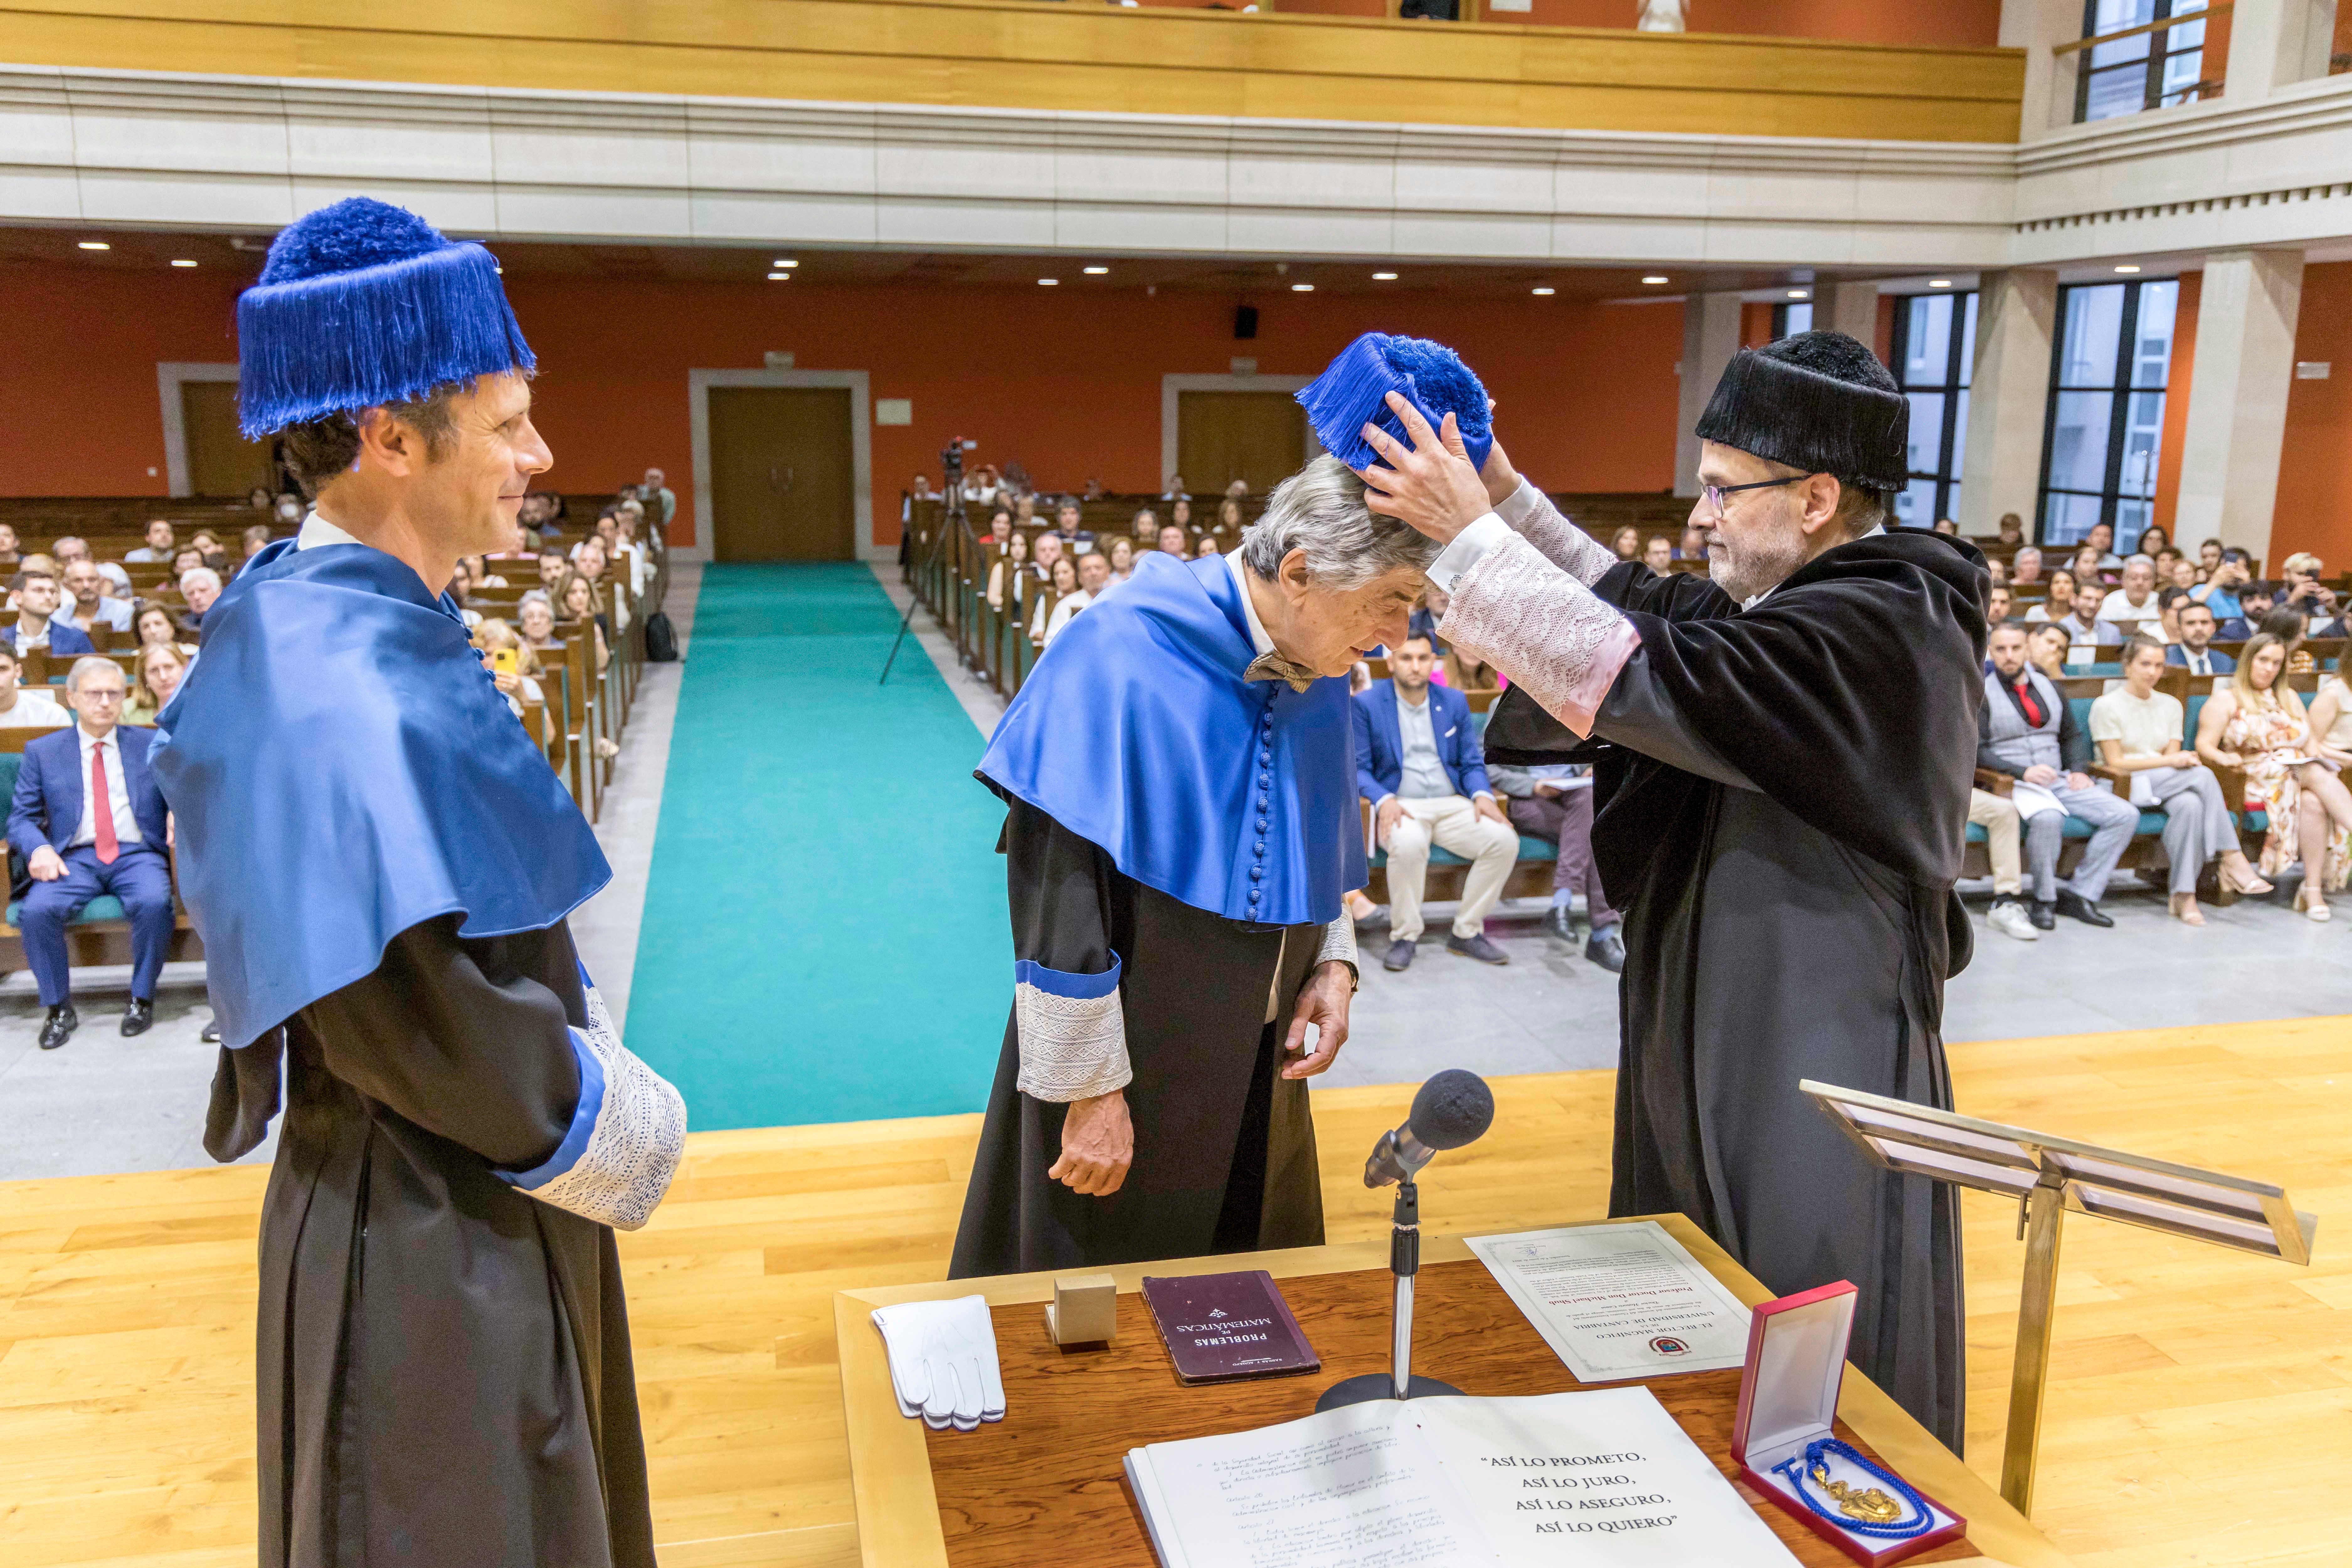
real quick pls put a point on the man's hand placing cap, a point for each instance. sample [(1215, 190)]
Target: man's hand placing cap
[(1431, 484)]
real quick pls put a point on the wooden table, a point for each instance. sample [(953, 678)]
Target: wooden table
[(1020, 1490)]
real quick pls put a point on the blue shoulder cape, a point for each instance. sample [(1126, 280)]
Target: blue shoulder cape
[(340, 768), (1137, 732)]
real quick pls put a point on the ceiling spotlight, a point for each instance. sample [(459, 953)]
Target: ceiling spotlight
[(96, 245), (1096, 271), (1940, 282), (1546, 290), (1655, 278), (182, 261), (780, 277), (1799, 294), (784, 261), (2127, 267), (1383, 277), (1048, 282), (1302, 288)]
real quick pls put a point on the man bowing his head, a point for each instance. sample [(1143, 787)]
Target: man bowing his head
[(1784, 751)]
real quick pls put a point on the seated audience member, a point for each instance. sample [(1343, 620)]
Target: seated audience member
[(69, 548), (9, 554), (661, 502), (2084, 630), (2234, 570), (2256, 600), (21, 709), (199, 586), (2331, 722), (2134, 602), (1996, 815), (1694, 544), (2254, 722), (2290, 627), (1229, 516), (155, 676), (153, 623), (36, 626), (1208, 544), (1175, 490), (1997, 605), (259, 498), (1179, 512), (1094, 490), (1045, 549), (2012, 529), (1008, 574), (536, 615), (1237, 491), (461, 588), (2183, 573), (1420, 765), (2168, 615), (158, 549), (2137, 731), (1063, 578), (594, 562), (1422, 622), (1626, 545), (2152, 539), (2028, 732), (921, 490), (519, 684), (88, 819), (1000, 532), (2102, 540), (205, 542), (1658, 555), (1174, 542), (2059, 597), (2305, 592), (184, 559), (1094, 578), (288, 512), (1122, 562), (1554, 800), (253, 542), (479, 576), (1143, 531), (583, 604), (2208, 555), (1945, 525), (980, 485), (88, 604), (2090, 573), (1998, 570), (2193, 652), (2025, 566), (1466, 674), (1065, 524), (553, 567)]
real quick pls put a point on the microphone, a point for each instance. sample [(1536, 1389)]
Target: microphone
[(1453, 1109)]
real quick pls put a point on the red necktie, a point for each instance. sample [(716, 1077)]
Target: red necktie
[(103, 805), (2025, 701)]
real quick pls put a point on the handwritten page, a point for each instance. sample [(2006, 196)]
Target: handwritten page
[(1353, 1487), (1618, 1300), (1600, 1479)]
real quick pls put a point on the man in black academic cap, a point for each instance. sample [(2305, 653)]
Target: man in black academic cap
[(1784, 751)]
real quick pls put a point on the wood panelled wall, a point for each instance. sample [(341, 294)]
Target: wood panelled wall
[(1016, 54)]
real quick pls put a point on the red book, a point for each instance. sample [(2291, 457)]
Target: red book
[(1219, 1327)]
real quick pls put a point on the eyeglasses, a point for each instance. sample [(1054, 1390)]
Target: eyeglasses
[(1713, 494)]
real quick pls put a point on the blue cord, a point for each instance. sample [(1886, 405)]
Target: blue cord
[(1796, 1471)]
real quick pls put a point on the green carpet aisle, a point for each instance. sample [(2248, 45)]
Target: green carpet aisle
[(824, 933)]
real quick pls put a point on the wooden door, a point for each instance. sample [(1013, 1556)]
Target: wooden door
[(1221, 436), (221, 462), (783, 476)]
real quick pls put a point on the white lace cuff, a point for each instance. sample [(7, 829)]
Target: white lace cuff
[(1543, 628), (1564, 544), (626, 1136), (1338, 941), (1073, 1035)]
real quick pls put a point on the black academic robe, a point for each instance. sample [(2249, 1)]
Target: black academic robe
[(1224, 1147), (1783, 844), (444, 1372)]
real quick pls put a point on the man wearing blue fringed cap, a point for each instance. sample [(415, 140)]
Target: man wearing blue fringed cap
[(381, 863)]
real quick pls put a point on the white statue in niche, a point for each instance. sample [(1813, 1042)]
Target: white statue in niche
[(1661, 16)]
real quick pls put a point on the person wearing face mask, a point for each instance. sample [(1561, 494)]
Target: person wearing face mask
[(1786, 746)]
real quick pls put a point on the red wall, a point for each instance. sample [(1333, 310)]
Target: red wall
[(2315, 490), (1066, 380), (2177, 379)]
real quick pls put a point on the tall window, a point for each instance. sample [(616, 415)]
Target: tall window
[(2106, 408), (2150, 70), (1935, 335), (1791, 320)]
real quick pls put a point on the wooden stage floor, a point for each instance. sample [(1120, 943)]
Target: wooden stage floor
[(2202, 1411)]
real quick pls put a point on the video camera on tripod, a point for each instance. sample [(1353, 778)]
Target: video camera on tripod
[(952, 516)]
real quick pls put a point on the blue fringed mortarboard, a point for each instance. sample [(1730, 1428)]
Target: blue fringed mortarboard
[(1353, 392), (363, 303)]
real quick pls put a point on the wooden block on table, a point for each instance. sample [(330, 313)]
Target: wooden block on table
[(1084, 1311)]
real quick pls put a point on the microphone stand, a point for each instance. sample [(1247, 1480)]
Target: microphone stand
[(1404, 1262)]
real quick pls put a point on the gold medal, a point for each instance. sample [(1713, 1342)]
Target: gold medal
[(1871, 1506)]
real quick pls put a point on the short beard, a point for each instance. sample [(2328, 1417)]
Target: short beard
[(1745, 573)]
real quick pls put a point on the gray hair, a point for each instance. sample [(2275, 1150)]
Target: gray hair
[(2135, 560), (1320, 509), (205, 575), (2023, 551), (85, 665)]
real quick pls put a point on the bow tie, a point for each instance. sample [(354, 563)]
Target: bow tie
[(1274, 667)]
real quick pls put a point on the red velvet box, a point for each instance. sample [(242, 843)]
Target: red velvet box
[(1788, 1399)]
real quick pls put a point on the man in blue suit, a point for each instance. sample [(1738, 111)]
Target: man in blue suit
[(37, 597), (1419, 762), (88, 819), (2193, 652)]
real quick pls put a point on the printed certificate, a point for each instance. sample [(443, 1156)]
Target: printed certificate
[(1618, 1300)]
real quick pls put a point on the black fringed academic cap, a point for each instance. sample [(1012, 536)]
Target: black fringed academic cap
[(1816, 401)]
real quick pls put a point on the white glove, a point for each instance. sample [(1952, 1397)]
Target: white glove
[(943, 1361)]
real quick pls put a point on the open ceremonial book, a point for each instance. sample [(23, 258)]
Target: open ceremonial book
[(1605, 1479)]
